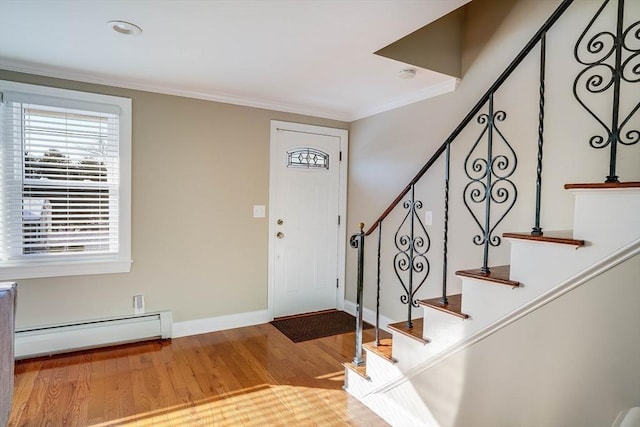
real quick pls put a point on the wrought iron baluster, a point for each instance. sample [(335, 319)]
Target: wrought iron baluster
[(598, 76), (615, 115), (357, 241), (487, 205), (411, 251), (447, 165), (537, 230), (378, 286), (410, 262), (490, 181)]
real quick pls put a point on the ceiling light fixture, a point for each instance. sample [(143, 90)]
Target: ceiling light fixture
[(126, 28), (407, 73)]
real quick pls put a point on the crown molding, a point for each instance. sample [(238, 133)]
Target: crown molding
[(167, 90), (344, 116)]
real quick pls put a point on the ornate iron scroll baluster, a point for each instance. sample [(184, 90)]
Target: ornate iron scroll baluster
[(447, 165), (357, 242), (378, 286), (490, 183), (537, 230), (411, 260), (599, 75)]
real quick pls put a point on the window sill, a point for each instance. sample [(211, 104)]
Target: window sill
[(68, 268)]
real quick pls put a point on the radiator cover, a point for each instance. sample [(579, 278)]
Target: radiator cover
[(61, 338)]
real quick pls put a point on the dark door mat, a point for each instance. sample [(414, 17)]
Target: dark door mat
[(316, 325)]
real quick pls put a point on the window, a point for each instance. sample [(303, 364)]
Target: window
[(307, 158), (65, 182)]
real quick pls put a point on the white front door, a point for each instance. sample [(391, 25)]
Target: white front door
[(304, 215)]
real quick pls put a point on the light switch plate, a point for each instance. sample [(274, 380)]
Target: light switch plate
[(259, 211), (428, 217)]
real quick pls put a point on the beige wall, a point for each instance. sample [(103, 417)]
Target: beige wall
[(436, 46), (574, 362), (386, 150), (198, 167)]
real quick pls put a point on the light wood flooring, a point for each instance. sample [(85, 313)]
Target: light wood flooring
[(252, 376)]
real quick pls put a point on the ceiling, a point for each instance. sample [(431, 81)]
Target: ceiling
[(311, 57)]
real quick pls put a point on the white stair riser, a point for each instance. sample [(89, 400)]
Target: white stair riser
[(547, 262), (384, 369), (411, 351), (443, 329), (355, 384), (610, 218), (485, 302)]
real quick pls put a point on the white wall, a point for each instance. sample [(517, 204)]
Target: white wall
[(388, 149)]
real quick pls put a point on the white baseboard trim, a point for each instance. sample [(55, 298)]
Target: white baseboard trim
[(368, 315), (220, 323)]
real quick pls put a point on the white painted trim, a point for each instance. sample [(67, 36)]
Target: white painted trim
[(82, 264), (136, 85), (420, 95), (605, 190), (598, 268), (369, 315), (343, 135), (345, 116), (628, 418), (219, 323)]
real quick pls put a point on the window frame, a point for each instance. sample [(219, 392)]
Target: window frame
[(82, 264)]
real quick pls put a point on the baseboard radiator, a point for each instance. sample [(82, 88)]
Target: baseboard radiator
[(53, 339)]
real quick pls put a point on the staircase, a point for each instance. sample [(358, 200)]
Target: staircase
[(388, 375), (489, 302)]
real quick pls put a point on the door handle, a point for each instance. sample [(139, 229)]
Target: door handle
[(280, 235)]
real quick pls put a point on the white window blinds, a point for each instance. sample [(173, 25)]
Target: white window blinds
[(60, 179)]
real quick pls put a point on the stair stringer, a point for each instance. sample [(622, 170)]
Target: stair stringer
[(384, 405), (415, 414)]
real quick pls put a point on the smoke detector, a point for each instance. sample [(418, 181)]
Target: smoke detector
[(407, 73)]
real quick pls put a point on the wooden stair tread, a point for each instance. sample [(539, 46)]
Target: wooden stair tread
[(415, 332), (454, 307), (498, 274), (383, 349), (563, 237), (360, 370), (599, 185)]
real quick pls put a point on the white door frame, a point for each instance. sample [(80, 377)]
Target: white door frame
[(343, 134)]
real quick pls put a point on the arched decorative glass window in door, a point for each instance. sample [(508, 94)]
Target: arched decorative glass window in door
[(307, 158)]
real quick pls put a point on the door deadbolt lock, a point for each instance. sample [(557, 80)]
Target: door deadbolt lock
[(280, 222), (279, 234)]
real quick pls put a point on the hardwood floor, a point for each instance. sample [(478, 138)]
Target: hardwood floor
[(252, 376)]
